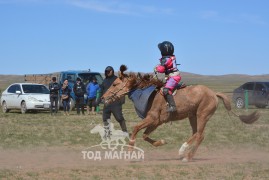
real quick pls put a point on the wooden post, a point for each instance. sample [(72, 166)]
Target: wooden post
[(246, 99)]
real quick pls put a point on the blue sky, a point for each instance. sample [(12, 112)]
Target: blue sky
[(211, 37)]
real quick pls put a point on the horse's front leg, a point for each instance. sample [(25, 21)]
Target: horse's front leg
[(151, 141), (143, 124)]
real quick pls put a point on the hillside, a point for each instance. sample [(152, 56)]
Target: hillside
[(6, 80)]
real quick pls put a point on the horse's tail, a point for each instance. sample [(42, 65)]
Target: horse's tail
[(248, 119)]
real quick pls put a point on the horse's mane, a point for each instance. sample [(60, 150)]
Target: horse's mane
[(138, 81)]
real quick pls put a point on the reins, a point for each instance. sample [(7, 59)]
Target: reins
[(117, 96)]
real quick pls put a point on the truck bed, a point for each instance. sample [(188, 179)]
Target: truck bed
[(40, 78)]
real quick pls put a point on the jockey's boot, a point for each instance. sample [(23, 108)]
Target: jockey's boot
[(172, 105)]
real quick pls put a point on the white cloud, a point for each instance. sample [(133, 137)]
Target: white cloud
[(209, 15), (105, 6), (243, 18), (118, 7), (18, 1), (253, 19)]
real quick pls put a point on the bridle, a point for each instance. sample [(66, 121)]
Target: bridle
[(115, 94)]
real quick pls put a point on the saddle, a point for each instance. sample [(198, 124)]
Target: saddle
[(180, 85)]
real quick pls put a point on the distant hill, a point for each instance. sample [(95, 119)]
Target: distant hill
[(6, 80), (232, 78), (221, 83)]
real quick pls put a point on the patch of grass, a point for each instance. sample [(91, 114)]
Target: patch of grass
[(5, 173)]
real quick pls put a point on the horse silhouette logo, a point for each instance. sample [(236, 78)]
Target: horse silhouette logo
[(112, 146), (111, 138)]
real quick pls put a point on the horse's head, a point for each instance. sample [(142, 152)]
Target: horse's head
[(120, 87)]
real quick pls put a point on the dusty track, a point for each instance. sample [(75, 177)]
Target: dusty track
[(47, 158)]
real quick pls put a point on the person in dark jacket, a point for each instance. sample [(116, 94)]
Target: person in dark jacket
[(54, 88), (115, 108), (65, 91), (79, 90)]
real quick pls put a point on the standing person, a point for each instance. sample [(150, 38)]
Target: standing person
[(115, 108), (79, 90), (91, 90), (169, 67), (66, 90), (54, 92)]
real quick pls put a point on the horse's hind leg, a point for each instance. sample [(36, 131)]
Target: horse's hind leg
[(204, 112), (187, 145), (199, 135), (146, 134)]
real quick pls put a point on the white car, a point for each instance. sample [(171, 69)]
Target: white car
[(25, 96)]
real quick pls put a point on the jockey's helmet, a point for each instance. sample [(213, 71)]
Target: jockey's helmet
[(166, 48)]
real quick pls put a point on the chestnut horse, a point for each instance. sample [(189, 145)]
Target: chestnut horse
[(198, 103)]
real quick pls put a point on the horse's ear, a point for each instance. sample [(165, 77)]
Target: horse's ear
[(146, 77), (122, 69), (139, 76)]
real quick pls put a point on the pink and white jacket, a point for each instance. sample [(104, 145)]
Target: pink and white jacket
[(169, 67)]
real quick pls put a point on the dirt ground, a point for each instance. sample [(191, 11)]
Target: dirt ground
[(48, 158)]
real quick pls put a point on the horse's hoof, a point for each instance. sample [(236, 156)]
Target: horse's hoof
[(185, 160), (159, 143), (131, 142), (181, 156), (163, 142), (130, 148)]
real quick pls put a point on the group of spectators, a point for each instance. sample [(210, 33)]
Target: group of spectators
[(79, 90)]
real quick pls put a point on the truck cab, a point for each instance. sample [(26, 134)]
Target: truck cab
[(85, 76)]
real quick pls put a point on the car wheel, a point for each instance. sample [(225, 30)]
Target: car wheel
[(72, 104), (23, 107), (239, 103), (4, 107)]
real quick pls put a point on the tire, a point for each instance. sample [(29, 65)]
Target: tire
[(23, 107), (4, 107), (60, 104), (239, 103), (72, 104)]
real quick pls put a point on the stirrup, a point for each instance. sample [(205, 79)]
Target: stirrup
[(171, 109)]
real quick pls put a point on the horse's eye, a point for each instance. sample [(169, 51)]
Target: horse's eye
[(114, 84)]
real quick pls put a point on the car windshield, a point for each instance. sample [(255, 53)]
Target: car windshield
[(86, 77), (32, 88)]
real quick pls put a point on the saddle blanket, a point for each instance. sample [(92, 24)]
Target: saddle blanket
[(140, 99)]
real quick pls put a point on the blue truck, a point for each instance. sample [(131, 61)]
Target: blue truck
[(71, 75)]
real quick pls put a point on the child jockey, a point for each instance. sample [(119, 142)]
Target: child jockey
[(169, 67)]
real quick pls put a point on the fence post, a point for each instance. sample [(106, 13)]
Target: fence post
[(97, 97), (246, 99)]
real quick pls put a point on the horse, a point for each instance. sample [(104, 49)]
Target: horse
[(114, 139), (197, 103)]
